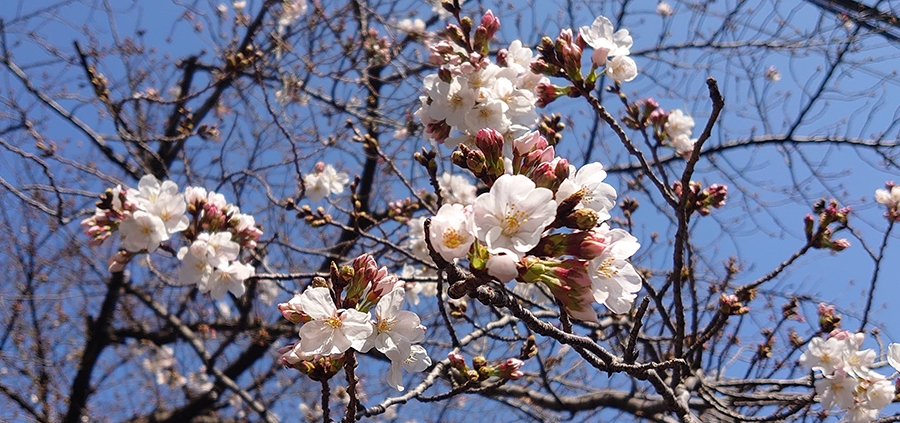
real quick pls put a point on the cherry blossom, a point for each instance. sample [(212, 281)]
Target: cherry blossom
[(452, 231), (142, 231), (417, 361), (606, 44), (395, 329), (331, 331), (894, 356), (456, 189), (622, 69), (588, 183), (514, 214), (229, 277), (324, 182), (614, 281), (679, 124)]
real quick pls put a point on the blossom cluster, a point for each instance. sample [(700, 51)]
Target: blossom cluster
[(149, 216), (541, 222), (848, 381), (890, 197), (470, 92), (672, 129), (334, 323), (324, 181)]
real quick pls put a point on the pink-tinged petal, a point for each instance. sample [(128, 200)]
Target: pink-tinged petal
[(390, 304), (409, 326), (317, 303), (316, 337), (894, 356), (357, 328), (395, 375)]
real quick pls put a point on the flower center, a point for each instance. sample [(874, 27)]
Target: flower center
[(386, 325), (334, 322), (452, 238), (586, 197), (513, 220), (606, 269)]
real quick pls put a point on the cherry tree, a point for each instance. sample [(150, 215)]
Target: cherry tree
[(285, 210)]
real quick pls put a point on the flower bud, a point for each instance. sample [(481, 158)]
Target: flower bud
[(583, 218), (510, 369)]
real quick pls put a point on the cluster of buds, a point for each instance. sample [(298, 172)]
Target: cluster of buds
[(829, 319), (335, 314), (551, 128), (402, 210), (731, 305), (821, 237), (112, 208), (702, 200), (481, 370), (560, 57), (644, 113), (378, 49), (211, 213)]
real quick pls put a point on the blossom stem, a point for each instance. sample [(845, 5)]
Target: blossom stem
[(349, 369)]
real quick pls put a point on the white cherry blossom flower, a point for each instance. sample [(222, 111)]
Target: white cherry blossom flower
[(606, 44), (227, 278), (622, 69), (513, 215), (452, 231), (894, 356), (193, 270), (824, 355), (614, 282), (891, 198), (416, 361), (395, 329), (332, 331), (588, 181), (142, 231), (451, 101), (324, 182), (878, 394), (488, 114), (679, 124), (664, 9), (411, 26), (519, 57), (217, 249), (171, 209), (456, 189), (683, 144), (150, 190), (836, 390)]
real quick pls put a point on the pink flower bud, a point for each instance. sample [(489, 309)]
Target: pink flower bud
[(510, 369)]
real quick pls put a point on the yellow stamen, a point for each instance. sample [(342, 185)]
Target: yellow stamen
[(606, 269), (513, 220), (334, 322), (452, 238)]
